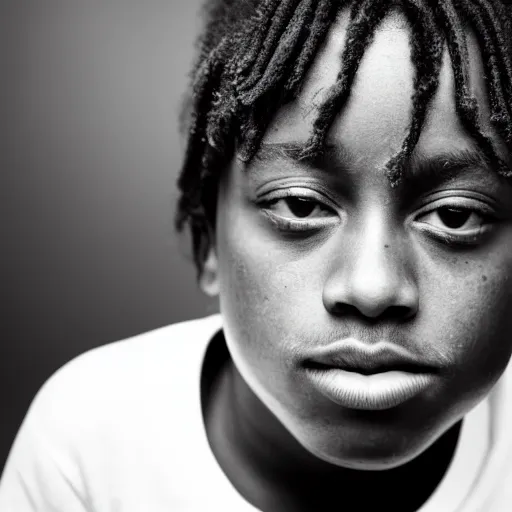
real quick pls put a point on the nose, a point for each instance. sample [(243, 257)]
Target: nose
[(372, 273)]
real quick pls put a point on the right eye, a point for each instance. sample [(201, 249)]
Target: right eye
[(294, 207), (298, 210)]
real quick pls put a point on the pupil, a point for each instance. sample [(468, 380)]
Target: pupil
[(301, 207), (453, 218)]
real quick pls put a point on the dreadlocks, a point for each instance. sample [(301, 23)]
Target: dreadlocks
[(254, 55)]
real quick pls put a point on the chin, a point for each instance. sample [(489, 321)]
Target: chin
[(380, 464), (368, 453), (368, 460)]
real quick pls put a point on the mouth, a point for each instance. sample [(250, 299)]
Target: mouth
[(364, 376)]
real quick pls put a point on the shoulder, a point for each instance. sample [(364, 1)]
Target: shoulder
[(111, 422), (493, 490), (190, 336), (119, 382), (145, 353)]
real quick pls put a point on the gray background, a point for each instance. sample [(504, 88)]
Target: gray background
[(89, 97)]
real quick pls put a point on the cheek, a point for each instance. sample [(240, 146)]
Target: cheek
[(268, 297), (473, 319), (260, 296)]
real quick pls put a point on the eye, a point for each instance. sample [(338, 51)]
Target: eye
[(298, 208), (457, 224), (454, 218), (299, 211)]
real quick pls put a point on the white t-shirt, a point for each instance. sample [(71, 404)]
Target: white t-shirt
[(120, 429)]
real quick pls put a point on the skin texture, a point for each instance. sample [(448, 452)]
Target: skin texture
[(375, 263)]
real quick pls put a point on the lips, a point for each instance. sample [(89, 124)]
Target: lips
[(366, 376), (367, 359)]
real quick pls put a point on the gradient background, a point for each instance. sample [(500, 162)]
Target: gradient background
[(90, 93)]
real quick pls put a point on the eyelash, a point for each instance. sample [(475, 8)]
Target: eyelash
[(454, 238), (444, 235), (296, 226)]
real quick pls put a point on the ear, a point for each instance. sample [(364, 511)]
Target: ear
[(209, 278)]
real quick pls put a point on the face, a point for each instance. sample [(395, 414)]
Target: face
[(368, 319)]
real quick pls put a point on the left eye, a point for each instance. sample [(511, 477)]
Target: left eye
[(298, 208), (454, 218)]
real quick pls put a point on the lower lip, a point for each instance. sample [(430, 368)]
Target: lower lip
[(375, 392)]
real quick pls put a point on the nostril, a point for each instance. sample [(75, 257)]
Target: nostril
[(372, 289), (399, 312), (396, 312), (344, 309)]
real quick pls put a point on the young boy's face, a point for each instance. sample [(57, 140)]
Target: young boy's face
[(368, 318)]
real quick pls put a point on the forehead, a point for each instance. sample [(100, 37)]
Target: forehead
[(379, 108)]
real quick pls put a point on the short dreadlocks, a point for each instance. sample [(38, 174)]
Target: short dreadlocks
[(253, 57)]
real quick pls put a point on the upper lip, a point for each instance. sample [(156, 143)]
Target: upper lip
[(353, 355)]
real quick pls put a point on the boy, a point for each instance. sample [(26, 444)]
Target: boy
[(347, 189)]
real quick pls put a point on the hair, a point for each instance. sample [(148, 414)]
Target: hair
[(253, 56)]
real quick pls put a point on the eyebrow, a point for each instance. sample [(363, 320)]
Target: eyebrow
[(269, 152), (422, 171), (427, 171), (446, 159)]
